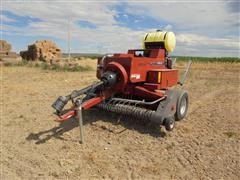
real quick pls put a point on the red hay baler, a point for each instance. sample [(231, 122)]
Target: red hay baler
[(139, 84)]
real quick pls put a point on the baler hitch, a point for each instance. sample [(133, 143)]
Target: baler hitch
[(59, 104)]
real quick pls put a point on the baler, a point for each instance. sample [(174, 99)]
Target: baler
[(140, 84)]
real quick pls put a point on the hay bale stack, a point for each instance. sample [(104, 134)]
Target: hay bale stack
[(44, 50), (6, 55), (5, 47)]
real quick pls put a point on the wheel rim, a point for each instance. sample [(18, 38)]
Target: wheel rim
[(183, 106)]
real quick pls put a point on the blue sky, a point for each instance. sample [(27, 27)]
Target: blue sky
[(202, 28)]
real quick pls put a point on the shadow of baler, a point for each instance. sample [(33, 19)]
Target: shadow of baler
[(94, 115)]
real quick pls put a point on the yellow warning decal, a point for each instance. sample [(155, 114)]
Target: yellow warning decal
[(159, 77)]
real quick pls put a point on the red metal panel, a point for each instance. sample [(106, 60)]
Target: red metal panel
[(137, 66), (92, 102), (169, 78), (143, 68), (143, 92), (122, 75), (151, 86), (141, 65), (123, 59), (138, 69), (66, 116), (158, 53), (152, 76)]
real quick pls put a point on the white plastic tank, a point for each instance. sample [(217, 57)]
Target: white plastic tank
[(168, 39)]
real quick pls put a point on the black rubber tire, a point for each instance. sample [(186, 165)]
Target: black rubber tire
[(180, 110), (169, 123)]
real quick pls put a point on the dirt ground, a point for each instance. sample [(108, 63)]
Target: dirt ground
[(205, 145)]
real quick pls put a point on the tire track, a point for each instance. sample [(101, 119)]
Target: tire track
[(205, 98)]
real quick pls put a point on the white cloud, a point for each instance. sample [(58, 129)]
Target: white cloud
[(203, 46), (197, 40), (125, 15), (208, 17), (204, 28), (57, 11), (136, 21), (168, 27)]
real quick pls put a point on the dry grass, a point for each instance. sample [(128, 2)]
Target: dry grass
[(62, 65), (205, 145)]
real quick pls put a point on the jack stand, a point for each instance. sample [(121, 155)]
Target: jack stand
[(79, 114)]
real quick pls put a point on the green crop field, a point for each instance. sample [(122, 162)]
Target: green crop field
[(209, 59), (179, 58)]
